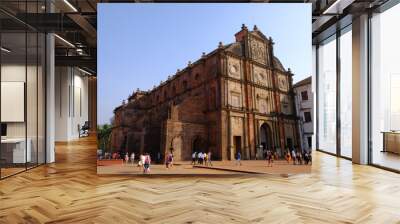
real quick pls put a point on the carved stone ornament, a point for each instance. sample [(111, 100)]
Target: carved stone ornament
[(234, 68), (282, 82), (258, 51), (260, 74)]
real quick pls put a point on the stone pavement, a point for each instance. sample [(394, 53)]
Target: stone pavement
[(280, 167)]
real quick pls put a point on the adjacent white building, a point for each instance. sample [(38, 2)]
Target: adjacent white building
[(304, 108)]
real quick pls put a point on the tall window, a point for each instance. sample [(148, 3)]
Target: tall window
[(304, 96), (327, 95), (385, 88), (346, 93), (307, 117)]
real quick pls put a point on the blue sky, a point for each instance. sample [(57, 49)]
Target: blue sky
[(141, 44)]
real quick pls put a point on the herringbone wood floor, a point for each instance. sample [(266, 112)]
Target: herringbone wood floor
[(69, 191)]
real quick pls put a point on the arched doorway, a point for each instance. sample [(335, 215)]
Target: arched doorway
[(199, 145), (266, 137), (133, 144)]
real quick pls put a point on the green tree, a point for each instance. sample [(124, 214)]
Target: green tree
[(104, 137)]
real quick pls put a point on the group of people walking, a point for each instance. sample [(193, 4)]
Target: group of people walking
[(270, 156), (298, 158), (143, 162), (201, 158)]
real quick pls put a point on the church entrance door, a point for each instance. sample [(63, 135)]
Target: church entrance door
[(266, 137)]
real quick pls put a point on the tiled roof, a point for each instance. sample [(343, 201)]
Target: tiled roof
[(303, 82)]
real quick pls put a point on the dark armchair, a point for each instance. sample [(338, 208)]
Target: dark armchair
[(84, 130)]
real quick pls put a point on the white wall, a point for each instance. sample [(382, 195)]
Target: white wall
[(303, 106), (314, 90), (10, 73), (13, 73), (71, 102), (33, 126)]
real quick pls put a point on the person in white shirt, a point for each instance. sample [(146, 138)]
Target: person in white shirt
[(141, 161), (294, 156), (132, 158), (200, 158), (209, 159), (126, 159), (194, 158)]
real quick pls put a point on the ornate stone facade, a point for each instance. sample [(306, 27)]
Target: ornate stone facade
[(234, 98)]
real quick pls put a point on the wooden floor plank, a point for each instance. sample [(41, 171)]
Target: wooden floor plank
[(70, 191)]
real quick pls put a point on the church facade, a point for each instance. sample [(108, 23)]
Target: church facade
[(238, 97)]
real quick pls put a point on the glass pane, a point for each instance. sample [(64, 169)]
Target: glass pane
[(385, 86), (31, 98), (13, 89), (346, 94), (41, 98), (327, 96)]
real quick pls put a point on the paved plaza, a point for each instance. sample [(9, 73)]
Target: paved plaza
[(279, 167)]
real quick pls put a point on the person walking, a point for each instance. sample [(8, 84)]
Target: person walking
[(132, 158), (276, 155), (171, 161), (209, 158), (197, 158), (158, 157), (238, 158), (194, 158), (305, 158), (200, 158), (141, 161), (168, 161), (126, 159), (299, 159), (270, 158), (146, 165), (287, 157), (294, 156)]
